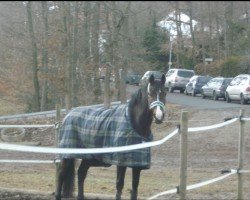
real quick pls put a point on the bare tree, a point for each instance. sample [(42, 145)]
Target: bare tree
[(34, 58), (44, 95), (95, 50), (190, 11), (125, 52), (74, 54), (228, 28)]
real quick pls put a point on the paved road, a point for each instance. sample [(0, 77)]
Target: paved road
[(175, 98), (198, 102)]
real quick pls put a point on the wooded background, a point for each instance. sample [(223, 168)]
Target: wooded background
[(52, 51)]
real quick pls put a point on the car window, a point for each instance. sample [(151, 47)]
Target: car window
[(203, 79), (219, 82), (211, 83), (243, 80), (236, 81), (185, 74), (192, 79), (227, 81), (170, 73), (157, 74), (147, 73)]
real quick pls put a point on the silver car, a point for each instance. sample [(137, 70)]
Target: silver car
[(216, 88), (176, 79), (239, 89)]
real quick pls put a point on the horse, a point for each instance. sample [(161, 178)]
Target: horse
[(146, 104)]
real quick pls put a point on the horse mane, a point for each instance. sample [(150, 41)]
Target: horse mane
[(140, 115)]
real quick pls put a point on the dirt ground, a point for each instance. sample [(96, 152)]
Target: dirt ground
[(209, 152)]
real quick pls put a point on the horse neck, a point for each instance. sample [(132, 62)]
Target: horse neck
[(141, 116)]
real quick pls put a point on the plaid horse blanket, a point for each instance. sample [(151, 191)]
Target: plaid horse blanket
[(102, 127)]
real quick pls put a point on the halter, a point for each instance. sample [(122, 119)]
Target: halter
[(157, 102)]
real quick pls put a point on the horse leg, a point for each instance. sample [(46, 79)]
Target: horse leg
[(82, 173), (120, 174), (135, 182), (62, 177)]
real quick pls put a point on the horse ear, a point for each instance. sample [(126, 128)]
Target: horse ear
[(151, 79), (163, 79)]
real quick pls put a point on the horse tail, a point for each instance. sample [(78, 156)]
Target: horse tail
[(69, 178)]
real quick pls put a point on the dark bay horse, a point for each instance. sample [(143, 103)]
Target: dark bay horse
[(122, 125)]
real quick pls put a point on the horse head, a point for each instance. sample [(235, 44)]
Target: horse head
[(156, 97)]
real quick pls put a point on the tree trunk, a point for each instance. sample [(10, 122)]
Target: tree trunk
[(218, 54), (203, 40), (44, 98), (74, 55), (179, 34), (85, 58), (65, 52), (117, 24), (95, 50), (228, 28), (36, 105), (190, 11), (210, 29), (125, 52)]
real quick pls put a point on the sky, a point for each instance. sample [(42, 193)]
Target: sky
[(170, 25)]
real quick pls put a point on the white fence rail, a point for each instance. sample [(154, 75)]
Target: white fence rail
[(51, 150)]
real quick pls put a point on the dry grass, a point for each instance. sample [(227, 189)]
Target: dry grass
[(10, 108), (208, 153)]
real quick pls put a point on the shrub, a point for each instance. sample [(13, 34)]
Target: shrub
[(230, 67)]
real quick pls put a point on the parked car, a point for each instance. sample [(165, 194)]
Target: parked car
[(133, 79), (239, 89), (215, 88), (195, 83), (145, 77), (176, 79)]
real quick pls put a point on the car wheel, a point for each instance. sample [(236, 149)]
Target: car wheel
[(215, 96), (228, 100), (170, 88), (242, 100), (203, 95), (185, 92), (193, 93)]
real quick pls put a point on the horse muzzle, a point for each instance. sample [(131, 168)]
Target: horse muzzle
[(158, 111)]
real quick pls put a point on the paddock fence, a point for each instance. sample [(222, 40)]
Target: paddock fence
[(182, 130)]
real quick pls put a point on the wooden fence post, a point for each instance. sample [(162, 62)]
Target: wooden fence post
[(241, 153), (183, 151), (58, 117)]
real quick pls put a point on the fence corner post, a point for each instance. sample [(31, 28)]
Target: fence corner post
[(57, 129), (241, 154), (183, 154)]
